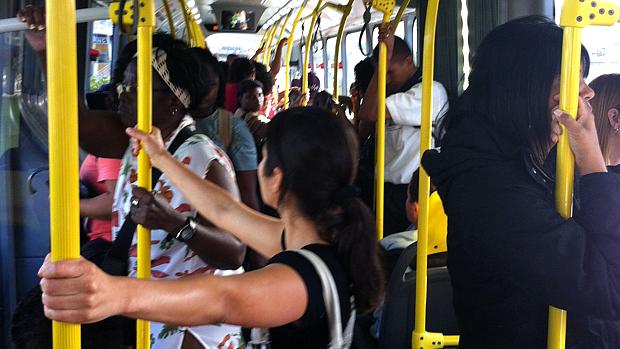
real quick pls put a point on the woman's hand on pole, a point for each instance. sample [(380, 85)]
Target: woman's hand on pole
[(152, 143), (34, 17)]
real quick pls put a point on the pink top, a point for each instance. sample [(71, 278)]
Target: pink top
[(230, 97), (93, 173)]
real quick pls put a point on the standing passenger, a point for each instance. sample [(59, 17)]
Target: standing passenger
[(240, 69), (403, 120), (510, 253), (606, 108)]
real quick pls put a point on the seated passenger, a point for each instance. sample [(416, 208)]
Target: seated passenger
[(250, 96), (606, 108), (403, 120), (240, 69), (511, 254), (202, 248), (228, 132), (307, 174)]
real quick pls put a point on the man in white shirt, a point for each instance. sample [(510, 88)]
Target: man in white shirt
[(403, 119)]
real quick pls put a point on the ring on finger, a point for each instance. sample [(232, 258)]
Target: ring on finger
[(135, 202)]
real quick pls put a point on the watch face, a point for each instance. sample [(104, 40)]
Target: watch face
[(187, 233)]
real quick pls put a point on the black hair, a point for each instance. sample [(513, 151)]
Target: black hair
[(263, 76), (30, 329), (414, 187), (246, 86), (181, 65), (317, 153), (364, 70), (224, 69), (401, 50), (208, 69), (240, 69), (512, 74)]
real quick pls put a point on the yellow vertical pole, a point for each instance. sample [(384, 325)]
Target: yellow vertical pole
[(267, 61), (399, 14), (146, 23), (289, 52), (188, 27), (304, 74), (345, 10), (386, 7), (281, 34), (63, 147), (266, 44), (428, 71), (169, 17), (576, 14)]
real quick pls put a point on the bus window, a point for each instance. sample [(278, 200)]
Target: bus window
[(400, 30), (319, 65), (100, 54), (603, 44), (354, 56), (331, 66)]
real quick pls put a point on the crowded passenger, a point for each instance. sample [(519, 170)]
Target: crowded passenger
[(250, 96), (230, 133), (182, 242), (240, 69), (606, 109), (403, 119), (307, 174), (511, 254), (270, 102)]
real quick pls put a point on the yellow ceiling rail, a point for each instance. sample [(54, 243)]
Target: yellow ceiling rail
[(281, 34), (386, 7), (269, 42), (344, 10), (63, 147), (575, 16), (289, 52), (399, 14), (420, 337), (306, 61), (263, 41), (146, 24), (173, 31)]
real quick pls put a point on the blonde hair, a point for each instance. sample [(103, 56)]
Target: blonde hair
[(607, 89)]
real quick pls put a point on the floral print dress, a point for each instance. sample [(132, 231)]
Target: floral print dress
[(171, 259)]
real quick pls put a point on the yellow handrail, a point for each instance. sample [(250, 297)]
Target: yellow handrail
[(269, 42), (173, 31), (289, 52), (386, 7), (304, 74), (145, 69), (575, 16), (195, 37), (399, 14), (281, 34), (420, 337), (263, 41), (344, 10), (63, 147)]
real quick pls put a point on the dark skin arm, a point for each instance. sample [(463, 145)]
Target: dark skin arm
[(368, 109), (99, 207), (277, 59), (214, 246), (101, 132), (246, 181)]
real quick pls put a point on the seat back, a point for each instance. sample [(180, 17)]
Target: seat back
[(398, 312)]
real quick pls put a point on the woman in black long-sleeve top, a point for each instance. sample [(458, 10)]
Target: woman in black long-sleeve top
[(511, 255)]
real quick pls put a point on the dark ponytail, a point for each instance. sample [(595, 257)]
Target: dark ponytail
[(317, 153)]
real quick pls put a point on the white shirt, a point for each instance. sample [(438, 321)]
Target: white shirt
[(402, 132)]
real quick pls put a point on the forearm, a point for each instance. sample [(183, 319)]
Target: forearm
[(99, 207), (221, 209), (180, 302), (368, 108)]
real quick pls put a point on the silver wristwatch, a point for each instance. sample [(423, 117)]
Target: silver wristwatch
[(187, 231)]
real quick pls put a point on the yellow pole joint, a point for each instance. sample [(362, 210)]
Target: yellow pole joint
[(63, 147), (386, 7), (576, 15), (428, 340), (146, 24), (289, 52), (127, 15), (304, 74)]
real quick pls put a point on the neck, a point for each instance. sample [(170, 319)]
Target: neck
[(299, 230)]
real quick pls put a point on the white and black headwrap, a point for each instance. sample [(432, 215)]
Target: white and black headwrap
[(161, 67)]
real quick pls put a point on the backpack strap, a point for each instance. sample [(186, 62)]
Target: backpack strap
[(115, 261), (338, 339), (225, 127)]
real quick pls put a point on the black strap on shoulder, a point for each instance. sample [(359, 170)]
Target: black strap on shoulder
[(116, 259)]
